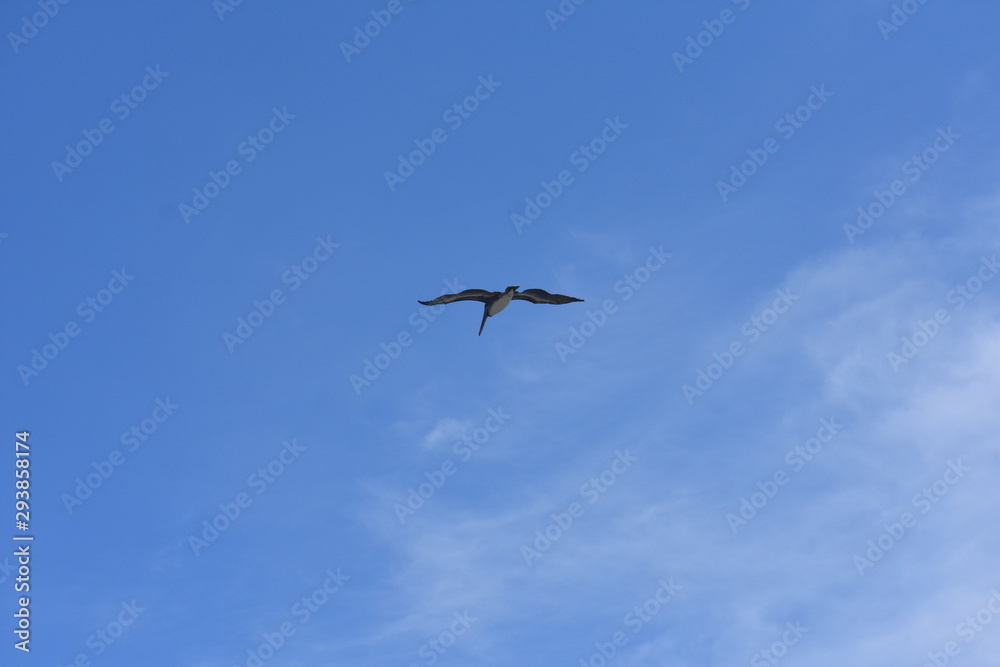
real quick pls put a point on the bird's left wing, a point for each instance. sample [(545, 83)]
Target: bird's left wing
[(466, 295), (541, 296)]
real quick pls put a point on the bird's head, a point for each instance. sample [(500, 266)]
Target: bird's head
[(512, 288)]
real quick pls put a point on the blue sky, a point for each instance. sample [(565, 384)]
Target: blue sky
[(767, 435)]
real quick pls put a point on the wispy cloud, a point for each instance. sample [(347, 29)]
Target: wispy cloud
[(445, 432), (666, 518)]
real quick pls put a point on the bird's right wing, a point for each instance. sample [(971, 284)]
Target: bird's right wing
[(541, 296), (466, 295)]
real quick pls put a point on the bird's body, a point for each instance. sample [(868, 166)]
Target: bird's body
[(497, 301)]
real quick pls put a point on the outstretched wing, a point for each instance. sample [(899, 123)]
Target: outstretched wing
[(466, 295), (541, 296)]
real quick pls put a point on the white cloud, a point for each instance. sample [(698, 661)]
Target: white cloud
[(666, 517), (445, 432)]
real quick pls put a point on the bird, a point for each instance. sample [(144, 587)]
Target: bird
[(497, 301)]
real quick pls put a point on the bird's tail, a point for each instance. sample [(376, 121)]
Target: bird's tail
[(486, 313)]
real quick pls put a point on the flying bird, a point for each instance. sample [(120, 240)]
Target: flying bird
[(497, 301)]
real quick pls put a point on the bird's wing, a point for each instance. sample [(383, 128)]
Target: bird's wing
[(541, 296), (466, 295)]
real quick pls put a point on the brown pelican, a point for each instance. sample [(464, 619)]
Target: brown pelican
[(497, 301)]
